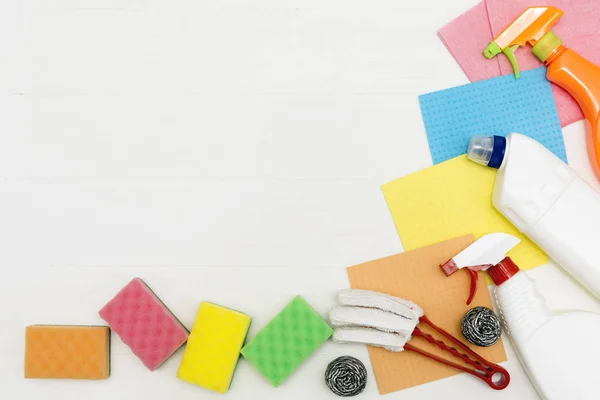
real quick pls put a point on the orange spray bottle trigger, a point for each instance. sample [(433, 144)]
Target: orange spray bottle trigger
[(533, 25)]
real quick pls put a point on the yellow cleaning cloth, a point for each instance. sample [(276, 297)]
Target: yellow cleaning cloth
[(449, 200), (213, 347)]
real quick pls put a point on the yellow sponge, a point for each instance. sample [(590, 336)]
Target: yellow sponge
[(213, 347)]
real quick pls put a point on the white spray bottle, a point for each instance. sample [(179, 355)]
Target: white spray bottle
[(545, 200), (558, 350)]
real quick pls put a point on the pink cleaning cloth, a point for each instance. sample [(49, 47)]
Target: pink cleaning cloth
[(578, 28), (466, 37), (144, 324)]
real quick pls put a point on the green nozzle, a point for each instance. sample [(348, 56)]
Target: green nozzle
[(546, 46), (509, 52), (492, 50)]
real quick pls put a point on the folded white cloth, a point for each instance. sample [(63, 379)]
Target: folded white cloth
[(371, 318), (367, 298), (375, 319), (371, 337)]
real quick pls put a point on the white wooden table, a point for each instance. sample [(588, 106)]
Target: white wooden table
[(223, 150)]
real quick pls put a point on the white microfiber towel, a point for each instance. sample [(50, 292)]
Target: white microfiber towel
[(371, 318), (374, 319), (371, 337), (367, 298)]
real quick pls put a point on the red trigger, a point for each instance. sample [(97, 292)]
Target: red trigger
[(474, 281), (450, 267)]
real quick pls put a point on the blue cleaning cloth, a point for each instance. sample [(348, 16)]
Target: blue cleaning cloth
[(495, 106)]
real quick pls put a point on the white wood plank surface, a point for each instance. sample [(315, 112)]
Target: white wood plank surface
[(229, 151)]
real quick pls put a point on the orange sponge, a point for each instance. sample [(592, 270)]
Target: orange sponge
[(67, 352)]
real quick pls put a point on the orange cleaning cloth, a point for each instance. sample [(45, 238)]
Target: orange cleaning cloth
[(416, 275), (67, 352)]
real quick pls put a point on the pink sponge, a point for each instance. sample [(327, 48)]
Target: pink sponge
[(144, 324)]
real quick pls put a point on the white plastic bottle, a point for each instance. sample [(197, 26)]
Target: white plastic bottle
[(547, 201), (557, 350)]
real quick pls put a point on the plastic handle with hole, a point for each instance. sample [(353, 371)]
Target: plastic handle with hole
[(483, 369)]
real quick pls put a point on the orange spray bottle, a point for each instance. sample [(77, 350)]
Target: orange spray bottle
[(566, 68)]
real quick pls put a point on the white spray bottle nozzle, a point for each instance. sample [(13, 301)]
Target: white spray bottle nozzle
[(486, 252)]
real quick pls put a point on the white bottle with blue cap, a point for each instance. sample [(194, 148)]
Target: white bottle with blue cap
[(545, 200)]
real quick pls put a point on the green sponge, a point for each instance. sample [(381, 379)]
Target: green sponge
[(289, 339)]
